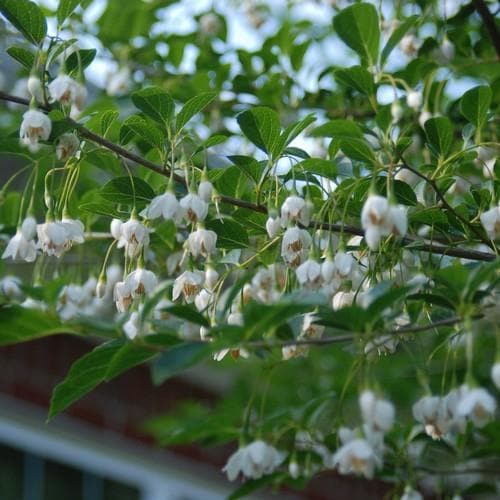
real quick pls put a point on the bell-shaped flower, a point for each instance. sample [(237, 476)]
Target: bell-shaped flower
[(67, 146), (123, 295), (35, 127), (342, 299), (211, 278), (410, 44), (491, 222), (10, 288), (295, 245), (295, 209), (273, 226), (478, 405), (52, 238), (447, 49), (309, 274), (414, 99), (432, 413), (253, 461), (132, 326), (357, 457), (202, 242), (22, 245), (377, 413), (164, 205), (74, 231), (133, 236), (141, 282), (34, 86), (203, 299), (193, 208), (205, 190), (189, 284), (67, 91), (119, 83)]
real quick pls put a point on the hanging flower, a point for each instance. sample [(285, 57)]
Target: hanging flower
[(35, 127), (202, 242), (342, 299), (211, 278), (52, 238), (67, 91), (132, 235), (205, 190), (141, 282), (273, 226), (357, 456), (74, 231), (491, 222), (478, 405), (414, 99), (431, 411), (410, 44), (295, 209), (253, 461), (10, 288), (193, 208), (309, 274), (295, 246), (67, 146), (164, 205), (22, 245), (203, 299), (123, 295), (377, 413), (119, 83), (132, 326), (189, 284)]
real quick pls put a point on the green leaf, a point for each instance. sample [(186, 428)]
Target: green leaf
[(248, 165), (439, 131), (178, 359), (318, 166), (23, 56), (121, 190), (65, 9), (20, 324), (102, 364), (214, 140), (27, 17), (338, 129), (474, 104), (357, 149), (79, 59), (261, 126), (358, 27), (193, 106), (146, 130), (230, 234), (188, 313), (396, 37), (100, 208), (84, 375), (291, 132), (155, 103), (358, 78)]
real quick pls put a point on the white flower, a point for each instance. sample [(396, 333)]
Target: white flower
[(495, 374), (22, 246), (486, 158), (491, 222), (10, 287), (235, 318), (205, 190), (116, 228), (383, 344), (202, 242), (189, 283), (375, 212), (328, 269), (209, 24), (52, 238), (478, 405), (414, 99), (123, 295), (253, 461), (35, 87), (399, 221), (164, 205), (203, 299), (447, 49), (295, 245), (133, 236), (310, 329), (431, 411), (357, 457), (396, 111), (423, 117), (74, 231), (67, 146), (35, 127), (295, 209), (141, 282), (410, 44), (67, 91), (132, 326), (294, 469), (273, 226), (309, 274), (342, 299), (411, 494), (193, 208), (377, 413), (211, 278), (119, 83)]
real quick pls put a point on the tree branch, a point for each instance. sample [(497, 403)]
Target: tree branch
[(165, 171), (489, 23)]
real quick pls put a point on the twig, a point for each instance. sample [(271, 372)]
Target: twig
[(165, 171), (489, 23)]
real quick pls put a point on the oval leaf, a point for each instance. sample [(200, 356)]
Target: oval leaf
[(27, 17)]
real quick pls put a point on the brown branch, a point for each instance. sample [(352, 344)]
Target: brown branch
[(489, 23), (165, 171)]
